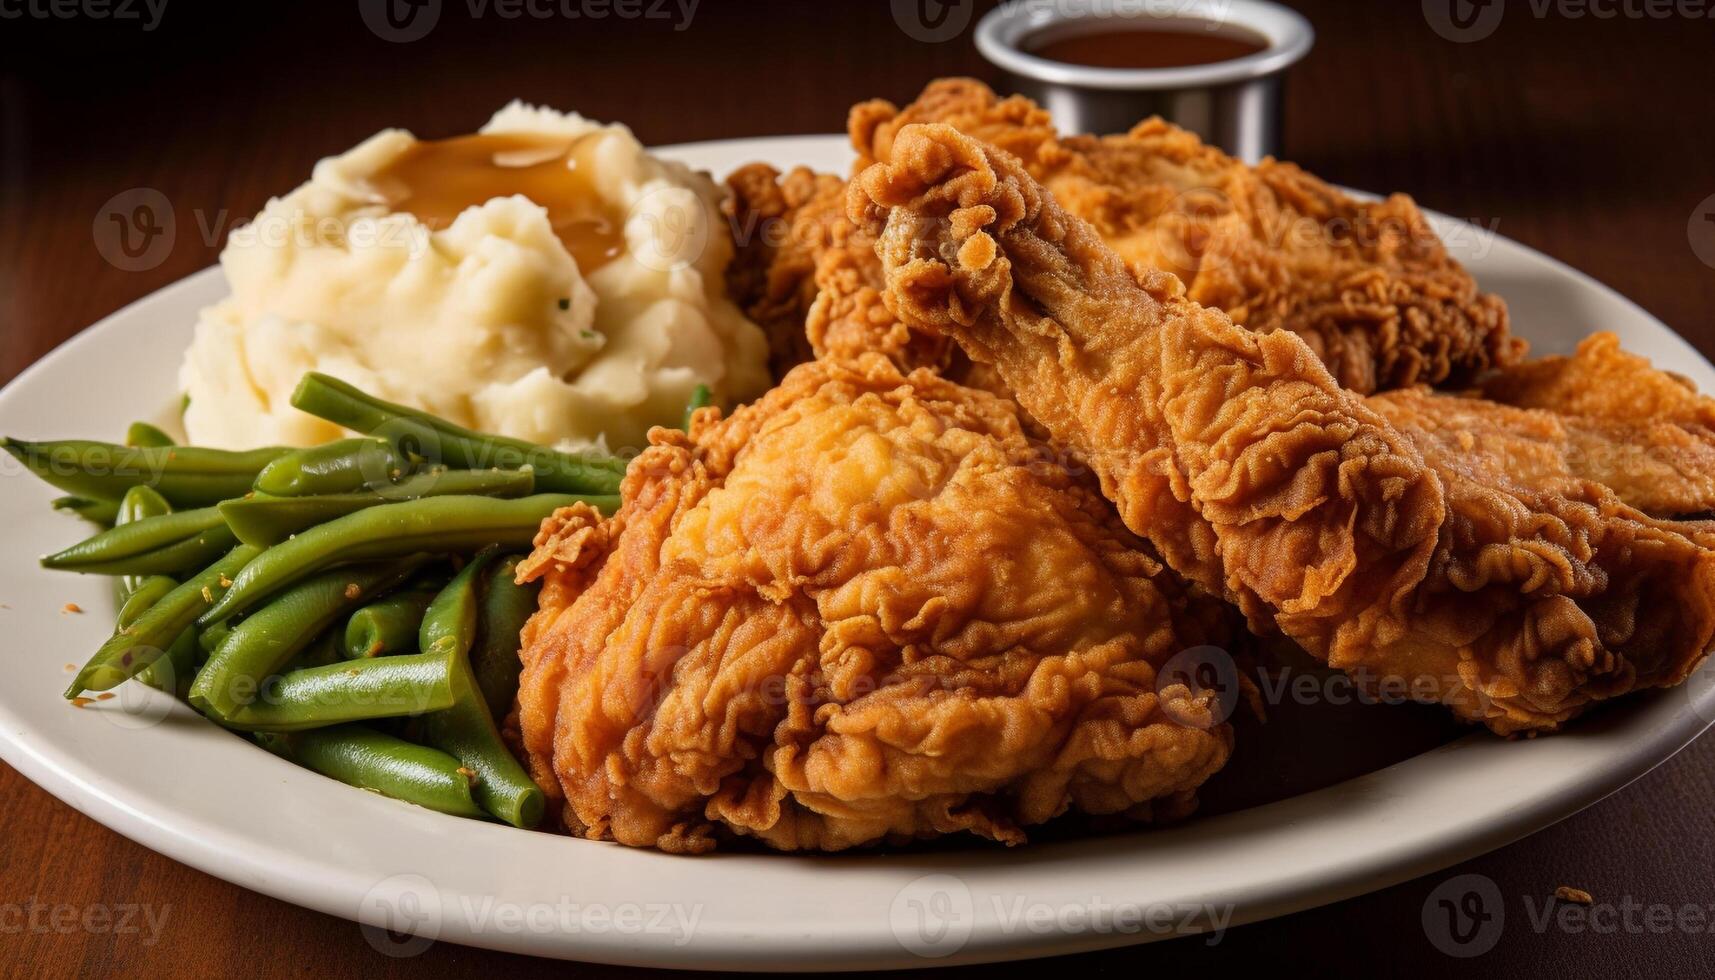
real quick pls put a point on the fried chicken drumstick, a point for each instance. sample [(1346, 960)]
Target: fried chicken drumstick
[(1368, 285), (1402, 536), (858, 610)]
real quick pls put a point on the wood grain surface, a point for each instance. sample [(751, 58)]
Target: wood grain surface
[(1584, 136)]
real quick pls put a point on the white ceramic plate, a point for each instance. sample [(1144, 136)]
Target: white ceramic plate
[(152, 770)]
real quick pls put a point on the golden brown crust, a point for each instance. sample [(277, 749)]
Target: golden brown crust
[(1368, 285), (1602, 381), (858, 610), (777, 233), (810, 277), (1663, 467), (1387, 536)]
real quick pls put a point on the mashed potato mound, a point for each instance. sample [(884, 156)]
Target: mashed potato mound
[(487, 321)]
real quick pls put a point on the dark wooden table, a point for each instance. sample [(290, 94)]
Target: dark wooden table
[(1585, 137)]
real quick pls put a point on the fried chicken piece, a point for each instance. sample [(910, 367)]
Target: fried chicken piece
[(779, 227), (1602, 381), (810, 277), (858, 610), (1655, 464), (1368, 285), (1389, 537)]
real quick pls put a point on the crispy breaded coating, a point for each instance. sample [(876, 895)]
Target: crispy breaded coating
[(810, 277), (779, 227), (1650, 460), (858, 610), (1391, 537), (1601, 380), (1368, 285)]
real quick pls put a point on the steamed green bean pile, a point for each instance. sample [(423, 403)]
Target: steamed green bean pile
[(352, 607)]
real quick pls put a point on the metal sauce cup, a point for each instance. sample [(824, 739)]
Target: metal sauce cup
[(1235, 104)]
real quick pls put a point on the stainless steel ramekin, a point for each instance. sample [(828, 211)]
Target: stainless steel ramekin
[(1234, 104)]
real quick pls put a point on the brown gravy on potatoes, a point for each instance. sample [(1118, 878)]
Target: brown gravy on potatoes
[(1145, 48), (435, 180)]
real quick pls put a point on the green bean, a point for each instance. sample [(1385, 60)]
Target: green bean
[(175, 671), (137, 645), (266, 641), (466, 730), (345, 466), (326, 649), (210, 639), (187, 477), (422, 434), (506, 607), (103, 512), (142, 435), (149, 545), (386, 627), (140, 503), (186, 556), (449, 623), (179, 663), (263, 520), (335, 694), (439, 524), (700, 398), (148, 592), (360, 756)]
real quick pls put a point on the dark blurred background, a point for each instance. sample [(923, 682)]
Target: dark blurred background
[(1585, 136)]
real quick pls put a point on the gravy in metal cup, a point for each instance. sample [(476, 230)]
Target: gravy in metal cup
[(1212, 66), (1143, 47)]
